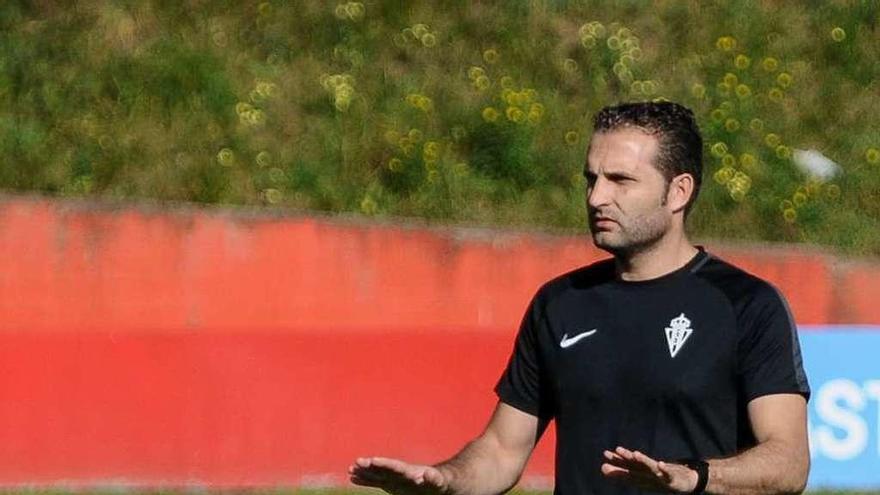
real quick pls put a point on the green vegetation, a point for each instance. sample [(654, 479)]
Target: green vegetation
[(453, 111)]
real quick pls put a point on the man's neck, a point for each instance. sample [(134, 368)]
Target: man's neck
[(664, 257)]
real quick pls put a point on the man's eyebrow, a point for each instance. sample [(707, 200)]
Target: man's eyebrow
[(611, 175), (619, 175)]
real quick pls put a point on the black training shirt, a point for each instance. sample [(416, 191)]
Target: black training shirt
[(664, 366)]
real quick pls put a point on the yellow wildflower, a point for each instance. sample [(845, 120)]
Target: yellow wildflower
[(475, 71), (719, 149), (770, 64), (355, 10), (723, 175), (784, 79), (756, 125), (429, 40), (737, 194), (264, 159), (783, 152), (726, 43), (420, 30), (226, 157), (508, 96), (728, 161), (272, 196), (732, 125), (515, 114), (369, 206), (431, 149), (613, 43)]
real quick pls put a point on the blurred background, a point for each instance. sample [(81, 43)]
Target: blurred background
[(235, 232)]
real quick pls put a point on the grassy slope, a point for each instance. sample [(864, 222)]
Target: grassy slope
[(452, 111)]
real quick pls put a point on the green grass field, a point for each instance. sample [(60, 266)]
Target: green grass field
[(451, 111)]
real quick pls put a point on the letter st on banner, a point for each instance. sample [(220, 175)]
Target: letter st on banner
[(843, 366)]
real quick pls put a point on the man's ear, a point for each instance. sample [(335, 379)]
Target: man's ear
[(681, 188)]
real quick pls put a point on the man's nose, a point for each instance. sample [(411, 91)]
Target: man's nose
[(597, 194)]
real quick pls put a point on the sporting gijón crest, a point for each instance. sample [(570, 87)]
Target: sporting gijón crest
[(677, 333)]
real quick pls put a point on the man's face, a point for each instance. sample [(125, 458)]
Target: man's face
[(626, 193)]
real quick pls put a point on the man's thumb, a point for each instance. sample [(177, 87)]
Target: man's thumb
[(435, 477)]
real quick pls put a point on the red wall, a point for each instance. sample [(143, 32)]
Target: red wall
[(183, 346)]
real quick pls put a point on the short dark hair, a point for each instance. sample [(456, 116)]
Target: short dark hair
[(681, 146)]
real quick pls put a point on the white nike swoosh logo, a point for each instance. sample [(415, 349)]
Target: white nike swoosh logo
[(568, 342)]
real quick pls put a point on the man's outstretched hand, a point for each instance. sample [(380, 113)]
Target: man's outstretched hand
[(637, 469), (398, 477)]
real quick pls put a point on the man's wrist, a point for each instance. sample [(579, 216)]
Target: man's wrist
[(701, 468)]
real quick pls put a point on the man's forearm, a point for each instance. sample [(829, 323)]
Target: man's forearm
[(770, 467), (479, 469)]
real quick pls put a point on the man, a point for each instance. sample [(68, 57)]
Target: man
[(664, 368)]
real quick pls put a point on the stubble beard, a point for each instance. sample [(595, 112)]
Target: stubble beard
[(633, 236)]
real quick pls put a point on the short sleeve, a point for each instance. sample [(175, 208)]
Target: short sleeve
[(768, 352), (523, 383)]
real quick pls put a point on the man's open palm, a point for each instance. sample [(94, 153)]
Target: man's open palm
[(398, 477)]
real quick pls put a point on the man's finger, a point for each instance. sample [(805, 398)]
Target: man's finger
[(612, 456), (397, 467), (624, 452), (612, 470), (627, 459), (639, 480), (357, 480), (373, 474), (665, 470), (648, 462), (394, 464)]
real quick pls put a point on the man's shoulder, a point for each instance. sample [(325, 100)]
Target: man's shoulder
[(736, 283), (585, 277)]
